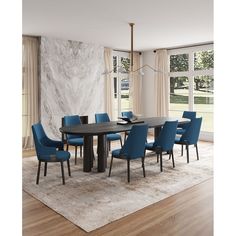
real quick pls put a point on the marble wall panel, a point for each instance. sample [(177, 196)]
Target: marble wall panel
[(71, 81)]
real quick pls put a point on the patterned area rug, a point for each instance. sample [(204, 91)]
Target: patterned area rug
[(92, 200)]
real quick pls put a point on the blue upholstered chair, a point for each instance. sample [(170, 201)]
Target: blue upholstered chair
[(182, 127), (190, 136), (130, 115), (133, 148), (46, 150), (164, 142), (73, 140), (101, 118)]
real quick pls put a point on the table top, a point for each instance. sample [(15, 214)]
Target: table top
[(113, 127)]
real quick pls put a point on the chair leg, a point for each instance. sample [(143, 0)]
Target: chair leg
[(68, 165), (75, 155), (128, 170), (67, 147), (110, 166), (45, 168), (157, 157), (62, 173), (170, 155), (38, 173), (173, 160), (182, 149), (161, 162), (144, 174), (197, 151), (187, 149)]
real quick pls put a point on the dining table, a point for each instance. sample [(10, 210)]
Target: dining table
[(88, 131)]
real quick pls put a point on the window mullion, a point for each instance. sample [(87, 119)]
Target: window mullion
[(191, 81)]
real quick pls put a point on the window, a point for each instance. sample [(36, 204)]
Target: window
[(191, 83), (121, 64)]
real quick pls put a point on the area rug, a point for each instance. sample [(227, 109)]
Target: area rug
[(92, 200)]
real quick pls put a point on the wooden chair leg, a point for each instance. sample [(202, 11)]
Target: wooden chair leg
[(173, 160), (45, 168), (62, 173), (128, 170), (144, 174), (157, 157), (38, 173), (75, 155), (120, 142), (161, 162), (197, 151), (110, 166), (182, 150), (187, 149), (67, 147), (68, 165)]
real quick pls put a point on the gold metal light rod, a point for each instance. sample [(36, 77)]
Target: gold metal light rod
[(132, 45)]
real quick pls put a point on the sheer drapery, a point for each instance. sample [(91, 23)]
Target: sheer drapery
[(30, 89), (109, 89), (136, 86), (161, 83)]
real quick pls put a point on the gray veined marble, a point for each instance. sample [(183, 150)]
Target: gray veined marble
[(71, 81)]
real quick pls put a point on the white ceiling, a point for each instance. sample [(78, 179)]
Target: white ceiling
[(158, 23)]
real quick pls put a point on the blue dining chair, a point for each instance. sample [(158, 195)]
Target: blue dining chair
[(164, 142), (182, 127), (102, 118), (130, 115), (133, 148), (190, 136), (46, 150), (71, 139)]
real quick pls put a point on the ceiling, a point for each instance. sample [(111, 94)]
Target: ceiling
[(158, 23)]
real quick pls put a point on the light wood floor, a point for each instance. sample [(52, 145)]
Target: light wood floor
[(187, 213)]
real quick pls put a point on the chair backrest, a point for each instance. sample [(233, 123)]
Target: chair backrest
[(40, 139), (72, 120), (166, 138), (189, 114), (102, 117), (134, 146), (128, 114), (191, 135)]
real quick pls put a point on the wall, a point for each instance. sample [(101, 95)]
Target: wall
[(71, 81)]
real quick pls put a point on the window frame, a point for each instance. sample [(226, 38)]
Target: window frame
[(191, 73)]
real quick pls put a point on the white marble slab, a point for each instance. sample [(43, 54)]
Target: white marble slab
[(71, 81)]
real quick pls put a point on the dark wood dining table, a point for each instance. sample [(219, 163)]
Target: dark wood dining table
[(101, 129)]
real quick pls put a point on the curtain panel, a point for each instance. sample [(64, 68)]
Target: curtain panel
[(30, 89), (161, 83), (136, 86)]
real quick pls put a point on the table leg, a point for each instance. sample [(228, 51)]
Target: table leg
[(88, 154), (102, 153), (157, 131)]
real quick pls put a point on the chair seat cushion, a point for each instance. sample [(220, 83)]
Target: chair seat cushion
[(149, 146), (76, 141), (116, 153), (62, 155), (112, 137), (56, 157), (180, 131)]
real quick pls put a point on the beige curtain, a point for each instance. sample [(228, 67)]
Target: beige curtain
[(30, 89), (109, 89), (136, 86), (161, 83)]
